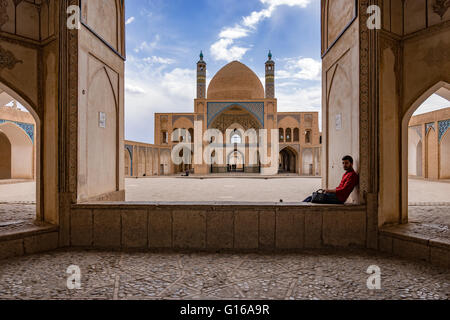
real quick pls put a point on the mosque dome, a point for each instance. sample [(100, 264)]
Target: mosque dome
[(235, 81)]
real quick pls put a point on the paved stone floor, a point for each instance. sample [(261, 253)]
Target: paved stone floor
[(222, 189), (17, 207), (15, 216), (306, 276)]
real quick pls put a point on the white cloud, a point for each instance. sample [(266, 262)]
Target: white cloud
[(256, 16), (304, 99), (130, 20), (235, 32), (291, 3), (151, 89), (148, 46), (159, 60), (301, 68), (133, 89), (433, 103), (180, 83), (226, 49), (300, 99)]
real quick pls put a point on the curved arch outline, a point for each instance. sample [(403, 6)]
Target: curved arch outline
[(25, 101), (440, 132), (18, 127), (239, 104), (238, 151), (295, 154), (131, 161), (116, 108), (446, 135), (289, 148), (420, 99), (183, 118), (21, 98), (95, 74)]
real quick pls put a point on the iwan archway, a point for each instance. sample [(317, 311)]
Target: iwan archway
[(419, 153), (288, 160), (370, 79), (20, 156), (19, 149)]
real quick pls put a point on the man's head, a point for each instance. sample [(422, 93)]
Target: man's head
[(347, 162)]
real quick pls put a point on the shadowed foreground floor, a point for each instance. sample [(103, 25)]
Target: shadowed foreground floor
[(310, 275)]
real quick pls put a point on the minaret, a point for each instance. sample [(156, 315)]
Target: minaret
[(201, 78), (270, 78)]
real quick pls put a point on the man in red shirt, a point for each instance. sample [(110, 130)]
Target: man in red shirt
[(348, 184)]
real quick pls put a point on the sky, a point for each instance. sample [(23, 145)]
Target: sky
[(433, 103), (164, 39)]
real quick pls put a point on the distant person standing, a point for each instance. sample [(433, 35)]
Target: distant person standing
[(350, 180)]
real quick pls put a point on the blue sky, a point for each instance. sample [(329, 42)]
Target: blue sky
[(164, 39)]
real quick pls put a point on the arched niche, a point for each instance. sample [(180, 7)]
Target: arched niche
[(444, 152), (31, 168), (21, 151), (425, 93), (101, 137)]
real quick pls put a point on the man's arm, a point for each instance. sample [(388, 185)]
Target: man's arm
[(331, 191), (349, 184)]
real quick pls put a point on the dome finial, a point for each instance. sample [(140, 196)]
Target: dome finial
[(270, 55), (201, 54)]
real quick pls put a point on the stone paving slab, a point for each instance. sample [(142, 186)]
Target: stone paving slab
[(134, 276), (16, 217), (290, 189)]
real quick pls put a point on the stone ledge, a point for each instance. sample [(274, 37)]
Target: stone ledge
[(440, 243), (28, 231), (405, 233), (404, 241), (218, 227), (213, 205), (28, 241)]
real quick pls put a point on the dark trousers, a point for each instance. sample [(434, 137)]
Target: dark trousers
[(330, 198)]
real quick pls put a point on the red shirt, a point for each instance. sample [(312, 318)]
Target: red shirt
[(349, 182)]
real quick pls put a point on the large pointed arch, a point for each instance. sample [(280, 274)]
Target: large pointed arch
[(33, 148), (420, 99)]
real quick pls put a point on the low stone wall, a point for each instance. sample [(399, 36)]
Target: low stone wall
[(404, 242), (32, 240), (216, 227), (199, 227)]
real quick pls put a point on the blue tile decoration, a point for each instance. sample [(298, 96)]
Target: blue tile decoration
[(429, 126), (443, 127), (255, 108), (28, 128)]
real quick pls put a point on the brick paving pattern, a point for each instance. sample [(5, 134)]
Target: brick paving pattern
[(306, 276)]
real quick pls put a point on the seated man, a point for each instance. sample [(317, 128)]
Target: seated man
[(348, 184)]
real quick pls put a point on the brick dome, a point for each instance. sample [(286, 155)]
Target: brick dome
[(235, 81)]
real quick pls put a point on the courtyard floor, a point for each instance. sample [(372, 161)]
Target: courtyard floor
[(429, 201), (288, 189), (306, 276), (321, 274)]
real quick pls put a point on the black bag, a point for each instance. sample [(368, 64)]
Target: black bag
[(319, 196)]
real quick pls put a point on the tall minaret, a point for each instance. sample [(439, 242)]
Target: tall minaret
[(201, 78), (270, 78)]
